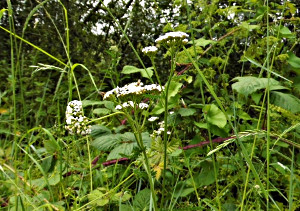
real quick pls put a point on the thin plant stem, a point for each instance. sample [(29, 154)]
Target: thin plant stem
[(166, 93)]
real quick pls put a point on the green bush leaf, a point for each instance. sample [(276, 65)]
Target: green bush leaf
[(286, 101), (214, 115)]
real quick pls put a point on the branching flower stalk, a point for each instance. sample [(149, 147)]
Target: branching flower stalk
[(172, 41)]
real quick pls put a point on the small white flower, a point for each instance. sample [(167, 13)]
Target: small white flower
[(171, 112), (131, 103), (118, 107), (143, 105), (149, 49), (69, 120), (80, 119), (153, 118)]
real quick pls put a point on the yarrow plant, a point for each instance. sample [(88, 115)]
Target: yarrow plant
[(150, 50), (135, 88), (173, 39), (76, 121)]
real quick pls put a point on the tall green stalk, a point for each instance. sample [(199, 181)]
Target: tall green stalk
[(166, 95)]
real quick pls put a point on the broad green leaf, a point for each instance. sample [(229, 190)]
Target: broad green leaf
[(249, 84), (54, 179), (221, 132), (201, 125), (202, 42), (101, 111), (293, 60), (106, 142), (285, 32), (128, 69), (47, 163), (99, 130), (206, 176), (142, 199), (120, 151), (214, 115), (148, 73), (186, 111), (51, 146), (286, 101), (174, 88)]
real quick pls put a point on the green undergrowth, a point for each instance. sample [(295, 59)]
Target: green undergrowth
[(208, 118)]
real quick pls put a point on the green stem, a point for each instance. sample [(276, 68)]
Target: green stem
[(166, 93)]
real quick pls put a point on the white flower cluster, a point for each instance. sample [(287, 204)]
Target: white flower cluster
[(149, 50), (170, 37), (131, 104), (76, 121), (132, 88), (160, 130)]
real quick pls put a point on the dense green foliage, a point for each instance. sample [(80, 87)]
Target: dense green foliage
[(227, 101)]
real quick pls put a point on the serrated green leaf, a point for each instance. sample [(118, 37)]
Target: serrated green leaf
[(120, 151), (215, 116), (186, 111)]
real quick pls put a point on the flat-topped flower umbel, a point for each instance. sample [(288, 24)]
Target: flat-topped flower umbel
[(172, 37), (149, 49), (136, 88)]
